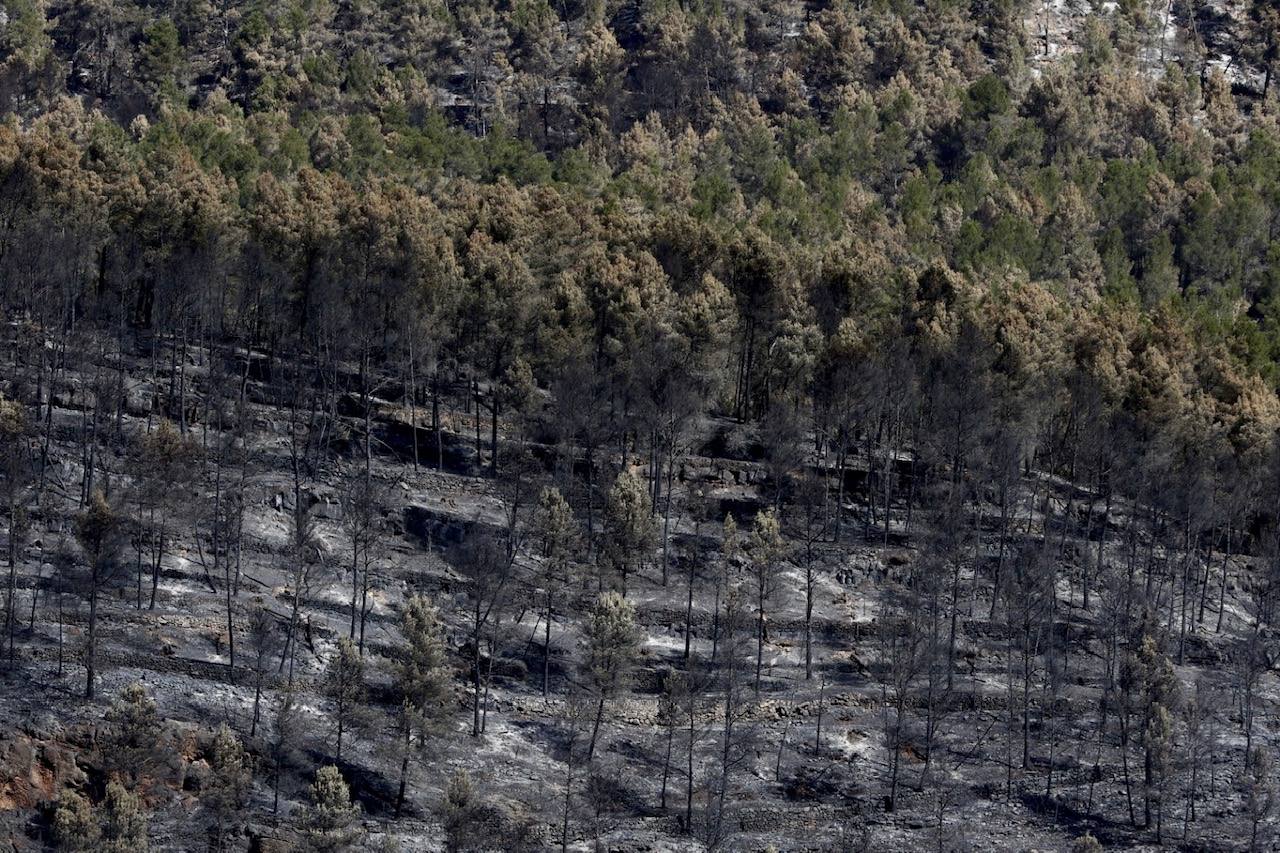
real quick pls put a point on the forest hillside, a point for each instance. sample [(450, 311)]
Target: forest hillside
[(639, 425)]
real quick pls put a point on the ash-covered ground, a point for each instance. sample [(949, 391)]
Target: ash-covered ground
[(1008, 727)]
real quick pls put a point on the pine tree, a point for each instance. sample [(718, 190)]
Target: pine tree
[(344, 686), (765, 552), (1150, 673), (117, 825), (730, 549), (284, 743), (329, 824), (421, 677), (230, 778), (75, 826), (124, 824), (265, 639), (133, 744), (629, 525), (363, 525), (676, 693), (460, 812), (487, 562), (15, 480), (559, 531), (613, 640), (96, 531), (1259, 790), (166, 462)]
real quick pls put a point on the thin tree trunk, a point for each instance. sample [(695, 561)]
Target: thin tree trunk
[(91, 647), (404, 769), (666, 766), (1222, 588), (546, 648), (413, 404), (435, 419), (475, 669), (157, 558), (568, 794), (595, 729), (688, 609), (688, 791), (10, 612), (808, 619)]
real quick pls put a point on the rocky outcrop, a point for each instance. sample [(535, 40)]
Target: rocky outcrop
[(34, 767)]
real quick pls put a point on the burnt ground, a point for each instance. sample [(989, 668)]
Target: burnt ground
[(794, 788)]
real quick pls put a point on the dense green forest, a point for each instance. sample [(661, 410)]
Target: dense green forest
[(939, 278), (762, 197), (771, 189)]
